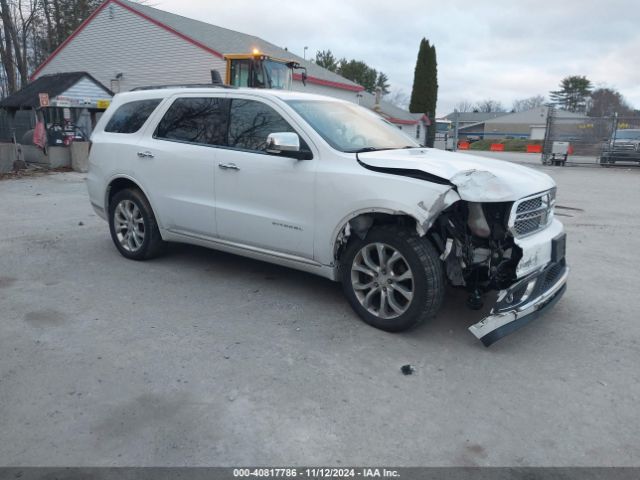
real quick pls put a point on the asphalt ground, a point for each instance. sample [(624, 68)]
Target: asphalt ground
[(204, 358)]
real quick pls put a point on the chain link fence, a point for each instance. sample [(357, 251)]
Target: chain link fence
[(19, 124), (579, 139)]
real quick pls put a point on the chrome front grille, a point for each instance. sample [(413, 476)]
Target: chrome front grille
[(624, 147), (532, 214)]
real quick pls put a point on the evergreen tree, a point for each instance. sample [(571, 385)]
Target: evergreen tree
[(325, 59), (573, 94), (383, 83), (424, 95), (359, 72)]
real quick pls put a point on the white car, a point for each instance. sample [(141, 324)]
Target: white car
[(328, 187)]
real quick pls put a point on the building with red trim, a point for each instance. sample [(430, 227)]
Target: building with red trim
[(126, 45)]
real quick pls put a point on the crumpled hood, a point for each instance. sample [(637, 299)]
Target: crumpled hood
[(477, 179)]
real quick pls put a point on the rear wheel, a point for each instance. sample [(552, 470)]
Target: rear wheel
[(133, 226), (393, 278)]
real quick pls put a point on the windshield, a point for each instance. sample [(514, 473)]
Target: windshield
[(278, 74), (628, 135), (350, 128)]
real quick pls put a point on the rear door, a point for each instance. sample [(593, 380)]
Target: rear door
[(178, 159)]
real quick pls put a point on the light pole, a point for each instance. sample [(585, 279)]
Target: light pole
[(304, 54)]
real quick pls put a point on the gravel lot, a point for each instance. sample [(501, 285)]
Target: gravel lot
[(204, 358)]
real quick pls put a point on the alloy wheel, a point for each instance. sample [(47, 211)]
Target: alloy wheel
[(382, 280), (129, 225)]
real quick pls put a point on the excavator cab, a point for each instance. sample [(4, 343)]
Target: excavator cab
[(257, 70)]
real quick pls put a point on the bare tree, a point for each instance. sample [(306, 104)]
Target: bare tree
[(524, 104), (465, 106), (30, 30), (489, 106), (399, 98), (7, 47), (606, 102)]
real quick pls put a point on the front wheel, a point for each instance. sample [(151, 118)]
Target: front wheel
[(606, 162), (393, 278)]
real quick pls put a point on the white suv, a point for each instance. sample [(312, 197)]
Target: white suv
[(327, 187)]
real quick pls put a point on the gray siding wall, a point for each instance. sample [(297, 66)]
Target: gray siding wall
[(502, 130), (119, 41), (411, 130), (85, 88)]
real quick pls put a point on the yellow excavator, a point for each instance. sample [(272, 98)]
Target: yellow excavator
[(258, 70)]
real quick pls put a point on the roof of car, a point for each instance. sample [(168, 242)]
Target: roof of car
[(167, 91)]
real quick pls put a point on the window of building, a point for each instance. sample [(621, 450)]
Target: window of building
[(130, 117), (251, 122), (195, 120), (418, 131)]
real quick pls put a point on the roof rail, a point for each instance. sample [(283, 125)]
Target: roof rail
[(182, 85)]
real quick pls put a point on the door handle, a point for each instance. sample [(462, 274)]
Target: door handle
[(228, 166), (146, 154)]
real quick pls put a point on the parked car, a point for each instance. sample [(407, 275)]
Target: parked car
[(327, 187), (623, 146)]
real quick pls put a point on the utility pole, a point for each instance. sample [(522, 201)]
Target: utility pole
[(455, 129)]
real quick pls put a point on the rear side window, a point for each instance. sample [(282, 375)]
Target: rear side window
[(195, 120), (130, 117)]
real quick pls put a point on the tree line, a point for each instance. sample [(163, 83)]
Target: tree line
[(355, 70), (574, 94), (30, 30)]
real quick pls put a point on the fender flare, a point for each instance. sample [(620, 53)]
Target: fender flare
[(137, 184), (356, 213)]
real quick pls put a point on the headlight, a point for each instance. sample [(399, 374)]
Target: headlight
[(477, 222)]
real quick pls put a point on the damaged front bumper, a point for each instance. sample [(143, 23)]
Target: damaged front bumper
[(523, 302)]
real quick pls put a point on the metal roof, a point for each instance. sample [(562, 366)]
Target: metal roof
[(392, 112), (54, 85), (474, 117), (227, 41)]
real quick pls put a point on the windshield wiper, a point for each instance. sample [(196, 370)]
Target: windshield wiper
[(367, 149), (374, 149)]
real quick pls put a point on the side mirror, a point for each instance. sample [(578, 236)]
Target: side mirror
[(286, 144), (283, 142)]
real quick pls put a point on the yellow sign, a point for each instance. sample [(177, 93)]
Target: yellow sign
[(103, 104)]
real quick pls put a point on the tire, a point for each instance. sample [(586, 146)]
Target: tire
[(133, 225), (416, 256)]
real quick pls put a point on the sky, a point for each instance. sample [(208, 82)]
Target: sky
[(501, 50)]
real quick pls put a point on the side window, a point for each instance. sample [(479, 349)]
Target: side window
[(195, 120), (130, 117), (240, 70), (251, 122)]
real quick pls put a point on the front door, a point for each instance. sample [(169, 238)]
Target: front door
[(263, 200)]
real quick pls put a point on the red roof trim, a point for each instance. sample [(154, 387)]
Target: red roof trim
[(296, 76), (401, 121), (132, 10), (168, 28), (328, 83)]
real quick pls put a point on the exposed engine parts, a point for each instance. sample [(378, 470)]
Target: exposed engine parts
[(478, 250)]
